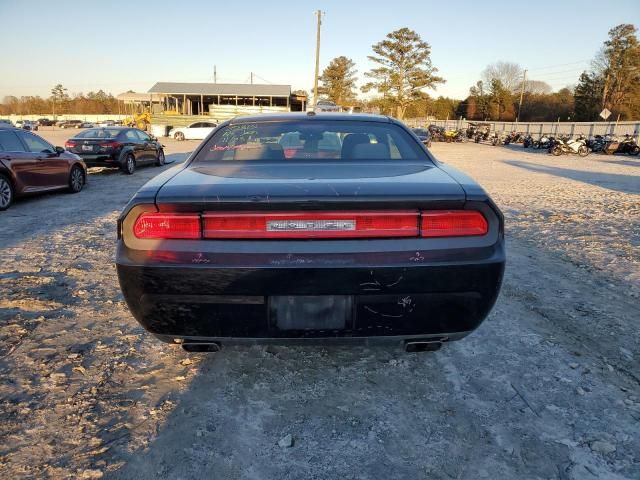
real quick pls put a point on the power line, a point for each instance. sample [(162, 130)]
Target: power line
[(559, 65)]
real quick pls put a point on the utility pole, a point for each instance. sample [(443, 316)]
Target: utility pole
[(215, 75), (524, 80), (315, 78), (251, 78)]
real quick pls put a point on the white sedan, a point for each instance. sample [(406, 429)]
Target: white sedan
[(195, 131)]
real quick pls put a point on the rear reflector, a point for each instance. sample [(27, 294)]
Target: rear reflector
[(311, 225), (167, 225), (453, 224)]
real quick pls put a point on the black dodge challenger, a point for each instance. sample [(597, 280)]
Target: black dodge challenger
[(311, 228)]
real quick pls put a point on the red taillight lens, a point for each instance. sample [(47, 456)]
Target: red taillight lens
[(167, 226), (379, 224), (69, 144), (453, 224), (311, 225), (110, 145)]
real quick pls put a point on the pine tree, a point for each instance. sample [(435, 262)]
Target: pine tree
[(405, 69), (338, 81)]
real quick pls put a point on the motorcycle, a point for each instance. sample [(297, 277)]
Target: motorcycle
[(576, 146), (513, 137), (628, 146), (499, 139), (544, 142), (527, 141), (597, 143)]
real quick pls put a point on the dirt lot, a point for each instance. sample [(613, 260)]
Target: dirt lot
[(548, 387)]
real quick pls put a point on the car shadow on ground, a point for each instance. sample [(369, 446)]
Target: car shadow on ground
[(170, 159), (610, 181)]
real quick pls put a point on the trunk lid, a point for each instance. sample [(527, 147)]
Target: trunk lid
[(312, 185), (90, 145)]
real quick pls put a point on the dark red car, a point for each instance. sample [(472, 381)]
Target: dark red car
[(29, 165)]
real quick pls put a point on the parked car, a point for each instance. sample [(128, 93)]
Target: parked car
[(29, 165), (29, 125), (4, 122), (70, 124), (86, 125), (377, 242), (195, 131), (44, 122), (116, 147), (423, 135), (106, 123), (326, 106)]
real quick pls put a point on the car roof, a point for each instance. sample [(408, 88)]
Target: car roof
[(115, 127), (309, 116)]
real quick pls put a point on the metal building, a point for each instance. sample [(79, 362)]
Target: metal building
[(218, 99)]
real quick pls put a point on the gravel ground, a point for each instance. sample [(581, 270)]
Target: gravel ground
[(548, 387)]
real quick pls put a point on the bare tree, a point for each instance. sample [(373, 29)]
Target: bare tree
[(537, 87), (509, 74)]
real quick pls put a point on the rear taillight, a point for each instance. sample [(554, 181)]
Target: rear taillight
[(293, 225), (113, 145), (460, 223), (311, 225), (69, 144), (167, 226)]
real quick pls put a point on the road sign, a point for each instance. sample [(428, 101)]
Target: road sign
[(605, 113)]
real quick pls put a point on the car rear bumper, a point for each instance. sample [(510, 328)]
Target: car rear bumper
[(203, 302), (99, 160)]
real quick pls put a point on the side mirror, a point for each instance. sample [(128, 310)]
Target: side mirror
[(59, 150)]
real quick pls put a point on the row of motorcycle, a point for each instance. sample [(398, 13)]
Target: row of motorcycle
[(582, 146), (556, 145)]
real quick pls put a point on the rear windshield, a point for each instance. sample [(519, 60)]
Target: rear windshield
[(99, 133), (311, 140)]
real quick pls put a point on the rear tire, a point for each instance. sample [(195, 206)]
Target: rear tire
[(129, 165), (160, 160), (583, 151), (6, 193), (635, 151), (556, 150), (179, 136), (76, 179)]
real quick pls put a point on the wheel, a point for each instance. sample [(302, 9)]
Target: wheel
[(129, 165), (556, 150), (583, 151), (76, 179), (635, 150), (179, 136), (6, 193), (160, 160)]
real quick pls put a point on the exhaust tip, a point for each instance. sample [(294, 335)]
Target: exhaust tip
[(201, 347), (413, 347)]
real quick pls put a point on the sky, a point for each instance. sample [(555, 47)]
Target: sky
[(120, 45)]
